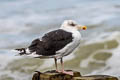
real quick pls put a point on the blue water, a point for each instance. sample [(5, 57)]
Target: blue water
[(21, 21)]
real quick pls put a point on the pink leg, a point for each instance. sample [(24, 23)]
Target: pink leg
[(63, 71)]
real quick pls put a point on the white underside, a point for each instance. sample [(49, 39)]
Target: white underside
[(69, 48)]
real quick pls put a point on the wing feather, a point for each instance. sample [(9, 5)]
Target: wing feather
[(51, 42)]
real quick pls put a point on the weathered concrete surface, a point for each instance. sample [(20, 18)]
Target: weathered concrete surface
[(53, 75)]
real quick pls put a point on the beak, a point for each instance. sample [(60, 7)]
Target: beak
[(81, 27)]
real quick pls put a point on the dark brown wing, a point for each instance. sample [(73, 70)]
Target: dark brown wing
[(51, 42)]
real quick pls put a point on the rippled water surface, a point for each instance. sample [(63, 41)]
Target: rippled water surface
[(21, 21)]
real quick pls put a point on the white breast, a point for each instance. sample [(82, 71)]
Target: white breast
[(69, 48)]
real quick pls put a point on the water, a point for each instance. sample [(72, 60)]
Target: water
[(21, 21)]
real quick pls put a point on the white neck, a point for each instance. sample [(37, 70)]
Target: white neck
[(69, 29)]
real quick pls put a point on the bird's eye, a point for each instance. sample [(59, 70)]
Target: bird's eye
[(72, 24)]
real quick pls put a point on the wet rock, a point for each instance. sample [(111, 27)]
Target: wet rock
[(95, 77), (53, 75)]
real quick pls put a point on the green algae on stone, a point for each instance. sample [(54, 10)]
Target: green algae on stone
[(85, 51), (103, 56), (6, 77), (53, 75), (95, 65), (96, 77), (111, 44), (25, 65)]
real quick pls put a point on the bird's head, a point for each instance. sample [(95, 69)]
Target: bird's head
[(72, 24)]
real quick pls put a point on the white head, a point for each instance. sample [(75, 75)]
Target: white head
[(73, 25)]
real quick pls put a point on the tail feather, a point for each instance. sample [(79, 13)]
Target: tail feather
[(22, 51)]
